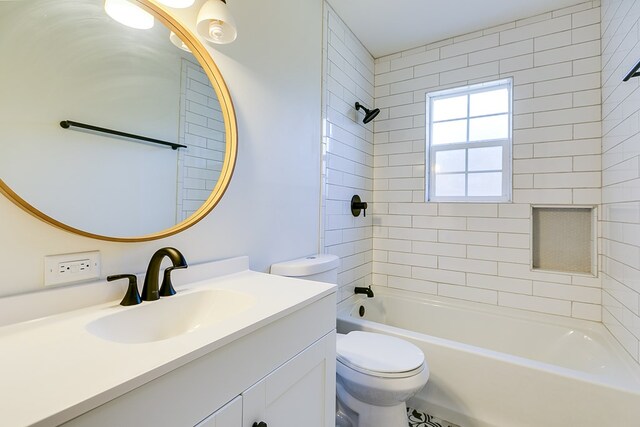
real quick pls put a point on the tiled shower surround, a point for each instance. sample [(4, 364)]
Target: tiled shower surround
[(621, 173), (567, 70), (481, 251), (347, 152)]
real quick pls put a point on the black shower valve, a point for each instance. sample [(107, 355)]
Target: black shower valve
[(358, 205)]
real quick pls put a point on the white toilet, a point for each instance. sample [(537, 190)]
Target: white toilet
[(376, 373)]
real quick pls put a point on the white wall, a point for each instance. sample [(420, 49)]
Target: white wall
[(271, 209), (348, 148), (481, 252), (621, 172)]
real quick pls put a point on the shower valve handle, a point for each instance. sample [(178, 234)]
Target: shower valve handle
[(358, 205)]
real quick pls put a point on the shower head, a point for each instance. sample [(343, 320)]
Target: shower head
[(368, 114)]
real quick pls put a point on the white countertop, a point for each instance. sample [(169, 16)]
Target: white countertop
[(52, 369)]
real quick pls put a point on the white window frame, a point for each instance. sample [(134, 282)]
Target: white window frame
[(506, 143)]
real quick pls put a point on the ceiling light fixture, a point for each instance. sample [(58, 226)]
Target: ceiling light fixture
[(215, 22), (177, 41), (129, 14), (177, 4)]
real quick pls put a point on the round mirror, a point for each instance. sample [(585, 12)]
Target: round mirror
[(108, 131)]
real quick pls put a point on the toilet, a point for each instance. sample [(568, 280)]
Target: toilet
[(376, 373)]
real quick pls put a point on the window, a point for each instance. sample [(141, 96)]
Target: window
[(469, 143)]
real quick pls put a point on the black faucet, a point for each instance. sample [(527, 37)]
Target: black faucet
[(132, 297), (367, 291), (150, 291)]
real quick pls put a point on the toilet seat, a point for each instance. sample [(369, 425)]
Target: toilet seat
[(379, 355)]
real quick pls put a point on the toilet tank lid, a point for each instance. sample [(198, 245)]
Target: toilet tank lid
[(306, 266)]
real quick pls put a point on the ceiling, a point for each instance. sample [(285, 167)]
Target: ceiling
[(390, 26)]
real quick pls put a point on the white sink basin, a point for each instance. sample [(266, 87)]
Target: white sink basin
[(170, 316)]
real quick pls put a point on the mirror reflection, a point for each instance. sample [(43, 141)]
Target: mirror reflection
[(68, 60)]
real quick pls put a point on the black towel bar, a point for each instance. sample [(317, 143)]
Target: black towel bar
[(66, 124), (633, 73)]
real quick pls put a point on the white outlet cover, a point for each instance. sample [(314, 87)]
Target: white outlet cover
[(53, 276)]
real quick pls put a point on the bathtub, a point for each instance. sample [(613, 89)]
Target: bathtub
[(499, 367)]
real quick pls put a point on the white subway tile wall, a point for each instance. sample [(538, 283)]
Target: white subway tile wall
[(620, 245), (481, 252), (202, 131), (348, 159), (576, 132)]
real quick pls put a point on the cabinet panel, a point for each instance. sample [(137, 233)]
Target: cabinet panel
[(300, 392), (230, 415)]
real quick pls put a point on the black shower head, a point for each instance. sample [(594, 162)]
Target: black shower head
[(368, 114)]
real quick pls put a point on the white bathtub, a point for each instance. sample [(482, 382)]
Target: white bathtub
[(492, 366)]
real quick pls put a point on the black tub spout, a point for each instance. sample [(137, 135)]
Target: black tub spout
[(366, 291)]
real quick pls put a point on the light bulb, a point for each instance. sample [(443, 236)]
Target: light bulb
[(215, 23), (129, 14), (216, 29), (177, 41)]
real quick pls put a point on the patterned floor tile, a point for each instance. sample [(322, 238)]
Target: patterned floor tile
[(420, 419)]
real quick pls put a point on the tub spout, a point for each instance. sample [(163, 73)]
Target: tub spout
[(367, 291)]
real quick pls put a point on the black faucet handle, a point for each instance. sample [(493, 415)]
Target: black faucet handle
[(357, 206), (166, 289), (132, 297), (122, 276)]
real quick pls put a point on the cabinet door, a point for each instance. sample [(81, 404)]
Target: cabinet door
[(299, 393), (230, 415)]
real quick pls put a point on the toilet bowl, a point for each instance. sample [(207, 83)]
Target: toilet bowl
[(375, 374)]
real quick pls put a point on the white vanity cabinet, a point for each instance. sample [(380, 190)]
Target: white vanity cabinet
[(300, 393), (230, 415), (282, 373), (295, 394)]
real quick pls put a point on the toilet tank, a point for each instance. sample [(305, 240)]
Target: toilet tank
[(321, 268)]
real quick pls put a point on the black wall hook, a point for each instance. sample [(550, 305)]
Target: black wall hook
[(358, 205)]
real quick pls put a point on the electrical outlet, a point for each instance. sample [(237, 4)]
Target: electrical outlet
[(71, 268)]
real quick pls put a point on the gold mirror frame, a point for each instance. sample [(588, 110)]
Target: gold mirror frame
[(231, 140)]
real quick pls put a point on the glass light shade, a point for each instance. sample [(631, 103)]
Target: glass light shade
[(177, 42), (215, 23), (177, 4), (129, 14)]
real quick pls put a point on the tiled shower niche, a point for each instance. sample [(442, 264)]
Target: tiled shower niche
[(562, 239)]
